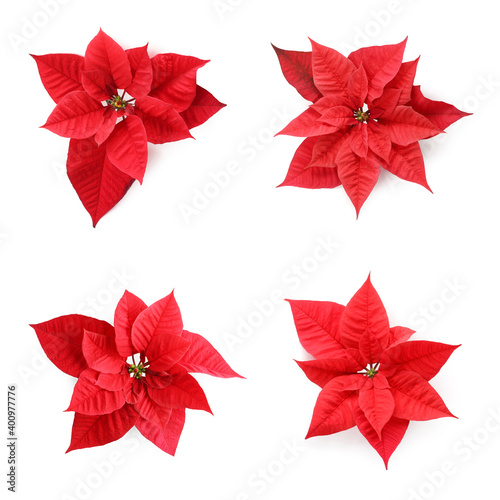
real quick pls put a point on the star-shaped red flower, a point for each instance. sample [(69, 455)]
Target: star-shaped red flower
[(111, 103), (135, 373), (370, 376), (366, 114)]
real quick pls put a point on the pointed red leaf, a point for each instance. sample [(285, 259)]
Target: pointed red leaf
[(384, 105), (334, 410), (96, 430), (326, 149), (161, 318), (358, 137), (127, 147), (404, 126), (204, 106), (165, 350), (168, 438), (127, 310), (381, 64), (378, 141), (357, 175), (390, 437), (142, 71), (357, 87), (61, 339), (420, 356), (398, 334), (338, 116), (113, 381), (91, 399), (183, 392), (321, 371), (98, 183), (440, 113), (98, 84), (108, 125), (77, 116), (152, 411), (415, 399), (301, 175), (407, 163), (331, 70), (364, 311), (378, 407), (101, 354), (317, 325), (161, 121), (370, 348), (104, 54), (404, 80), (297, 69), (202, 357), (174, 79), (309, 124), (60, 73)]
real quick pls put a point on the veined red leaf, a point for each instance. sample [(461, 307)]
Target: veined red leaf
[(326, 149), (98, 84), (357, 175), (440, 113), (77, 116), (415, 399), (357, 87), (151, 411), (108, 125), (183, 392), (338, 116), (101, 354), (161, 318), (166, 439), (91, 399), (161, 121), (419, 356), (317, 325), (127, 147), (204, 106), (390, 437), (297, 69), (202, 357), (331, 70), (364, 311), (378, 141), (398, 334), (126, 312), (407, 163), (358, 136), (404, 126), (113, 381), (174, 79), (104, 54), (141, 70), (98, 183), (404, 80), (61, 339), (334, 410), (60, 73), (96, 430), (370, 348), (381, 64), (378, 407), (321, 371), (165, 350), (309, 124), (302, 175)]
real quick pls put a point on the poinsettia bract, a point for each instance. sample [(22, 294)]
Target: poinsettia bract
[(136, 373), (371, 376), (111, 103), (366, 113)]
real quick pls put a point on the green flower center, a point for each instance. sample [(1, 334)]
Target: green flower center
[(362, 115), (117, 103), (137, 371), (371, 372)]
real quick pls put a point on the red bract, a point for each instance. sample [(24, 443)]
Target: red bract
[(111, 103), (370, 376), (135, 373), (366, 114)]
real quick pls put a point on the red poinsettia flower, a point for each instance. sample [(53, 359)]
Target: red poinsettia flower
[(111, 103), (137, 373), (370, 376), (366, 114)]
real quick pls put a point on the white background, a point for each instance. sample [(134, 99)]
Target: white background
[(247, 242)]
